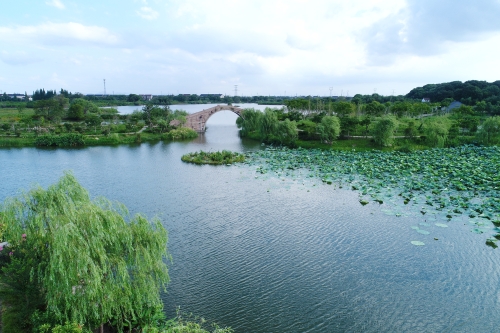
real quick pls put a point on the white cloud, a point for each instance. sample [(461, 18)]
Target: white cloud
[(60, 33), (18, 58), (56, 3), (148, 13)]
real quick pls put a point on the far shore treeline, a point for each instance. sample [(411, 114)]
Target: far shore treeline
[(435, 115)]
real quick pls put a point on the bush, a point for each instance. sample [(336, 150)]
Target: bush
[(181, 133), (63, 140)]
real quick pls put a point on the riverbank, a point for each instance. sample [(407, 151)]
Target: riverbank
[(79, 140)]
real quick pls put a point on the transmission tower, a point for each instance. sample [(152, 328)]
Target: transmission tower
[(104, 87), (235, 90), (331, 88)]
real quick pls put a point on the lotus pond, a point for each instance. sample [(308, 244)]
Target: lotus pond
[(443, 186)]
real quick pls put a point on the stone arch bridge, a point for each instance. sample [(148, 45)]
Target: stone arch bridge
[(198, 120)]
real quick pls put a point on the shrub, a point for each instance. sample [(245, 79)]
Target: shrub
[(181, 133), (63, 140)]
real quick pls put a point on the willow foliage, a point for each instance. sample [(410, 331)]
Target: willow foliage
[(93, 265), (383, 131)]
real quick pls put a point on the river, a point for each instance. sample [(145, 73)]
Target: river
[(267, 255)]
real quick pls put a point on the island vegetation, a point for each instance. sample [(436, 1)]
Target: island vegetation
[(216, 157), (72, 264)]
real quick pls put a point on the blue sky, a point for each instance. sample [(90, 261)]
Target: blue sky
[(266, 47)]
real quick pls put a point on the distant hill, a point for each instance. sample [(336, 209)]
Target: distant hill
[(469, 92)]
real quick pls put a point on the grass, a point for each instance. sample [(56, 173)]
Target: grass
[(10, 114)]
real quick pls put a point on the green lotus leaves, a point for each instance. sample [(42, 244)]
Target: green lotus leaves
[(446, 183)]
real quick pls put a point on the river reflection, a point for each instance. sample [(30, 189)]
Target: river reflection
[(263, 254)]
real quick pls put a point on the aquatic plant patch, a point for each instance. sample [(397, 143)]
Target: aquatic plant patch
[(217, 157), (442, 185)]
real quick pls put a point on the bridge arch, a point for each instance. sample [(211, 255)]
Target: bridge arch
[(198, 120)]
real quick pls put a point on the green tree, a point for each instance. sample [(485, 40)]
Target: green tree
[(411, 130), (268, 124), (76, 112), (436, 133), (87, 106), (343, 109), (49, 109), (419, 109), (329, 128), (249, 121), (308, 128), (94, 120), (287, 131), (366, 121), (133, 98), (374, 109), (348, 125), (82, 261), (489, 133), (400, 109), (383, 131)]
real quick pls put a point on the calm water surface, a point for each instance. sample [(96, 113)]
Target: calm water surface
[(267, 255)]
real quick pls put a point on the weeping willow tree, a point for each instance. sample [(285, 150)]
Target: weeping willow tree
[(383, 131), (80, 260)]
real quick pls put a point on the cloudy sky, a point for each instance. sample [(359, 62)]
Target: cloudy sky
[(266, 47)]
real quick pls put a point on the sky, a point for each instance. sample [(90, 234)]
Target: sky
[(265, 47)]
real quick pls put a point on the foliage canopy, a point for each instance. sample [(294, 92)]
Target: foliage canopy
[(89, 260)]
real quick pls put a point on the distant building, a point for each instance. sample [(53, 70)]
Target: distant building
[(18, 96), (426, 100), (147, 97), (453, 105)]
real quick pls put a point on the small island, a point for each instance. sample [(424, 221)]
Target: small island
[(215, 158)]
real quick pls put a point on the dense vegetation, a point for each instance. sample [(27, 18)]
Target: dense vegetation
[(72, 264), (447, 185), (216, 157), (485, 96), (56, 122), (343, 124)]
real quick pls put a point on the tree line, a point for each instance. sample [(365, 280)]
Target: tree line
[(417, 123)]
